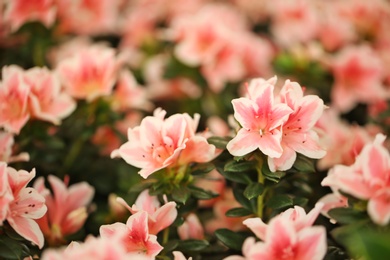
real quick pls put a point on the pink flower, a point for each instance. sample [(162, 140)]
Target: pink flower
[(298, 133), (26, 206), (261, 121), (159, 217), (191, 228), (160, 143), (67, 210), (14, 93), (331, 201), (213, 181), (6, 196), (367, 179), (18, 12), (289, 235), (358, 75), (283, 241), (48, 101), (89, 73), (129, 95), (297, 216), (6, 145), (134, 235)]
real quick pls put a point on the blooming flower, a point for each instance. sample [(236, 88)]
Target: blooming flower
[(90, 73), (18, 12), (298, 133), (260, 119), (366, 179), (66, 208), (14, 93), (134, 235), (191, 228), (159, 143), (159, 217), (26, 206), (48, 102)]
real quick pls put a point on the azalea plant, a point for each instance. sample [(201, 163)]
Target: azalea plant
[(204, 129)]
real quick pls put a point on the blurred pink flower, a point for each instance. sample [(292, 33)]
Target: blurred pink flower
[(289, 17), (6, 151), (159, 217), (18, 12), (160, 143), (66, 208), (358, 75), (47, 100), (6, 196), (191, 228), (367, 179), (298, 131), (128, 94), (214, 182), (87, 17), (27, 206), (14, 92), (134, 235), (261, 120), (90, 73)]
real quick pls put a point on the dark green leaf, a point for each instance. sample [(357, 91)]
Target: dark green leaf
[(192, 245), (219, 142), (10, 249), (347, 215), (201, 193), (234, 166), (203, 168), (280, 201), (304, 164), (239, 196), (238, 212), (300, 201), (181, 194), (253, 190), (272, 176), (335, 253), (231, 239), (235, 176), (170, 246)]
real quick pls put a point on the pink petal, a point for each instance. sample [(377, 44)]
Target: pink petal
[(311, 244), (163, 217), (378, 208), (284, 162), (376, 164), (270, 144), (306, 143), (28, 229), (311, 110), (281, 235), (109, 231), (245, 112), (280, 113), (29, 203), (257, 226), (79, 195), (137, 225), (244, 142), (197, 150), (146, 203)]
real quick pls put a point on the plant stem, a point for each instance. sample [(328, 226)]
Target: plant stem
[(165, 236), (260, 198)]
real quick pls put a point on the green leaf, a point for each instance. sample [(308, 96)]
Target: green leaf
[(272, 176), (231, 239), (347, 215), (239, 196), (238, 212), (10, 249), (181, 194), (253, 190), (219, 142), (143, 185), (234, 176), (304, 164), (280, 201), (192, 245), (202, 194), (203, 168), (300, 201), (234, 166)]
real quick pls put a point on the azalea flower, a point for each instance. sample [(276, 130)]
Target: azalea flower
[(160, 143), (89, 73), (5, 192), (18, 12), (66, 208), (191, 228), (14, 92), (27, 206), (261, 119), (134, 235), (47, 101), (298, 131), (159, 217), (366, 179)]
